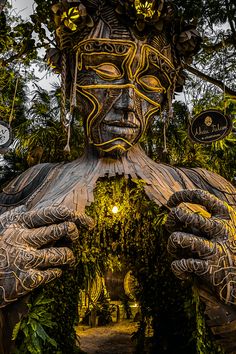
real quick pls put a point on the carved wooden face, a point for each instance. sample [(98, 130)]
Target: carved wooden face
[(120, 87)]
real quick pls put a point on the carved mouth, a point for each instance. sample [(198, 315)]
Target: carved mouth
[(120, 128), (120, 124)]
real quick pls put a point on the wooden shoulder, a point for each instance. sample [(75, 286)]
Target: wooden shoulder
[(21, 188), (213, 183)]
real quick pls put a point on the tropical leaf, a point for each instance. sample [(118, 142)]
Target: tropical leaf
[(16, 330)]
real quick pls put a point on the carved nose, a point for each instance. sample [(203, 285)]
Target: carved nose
[(125, 101)]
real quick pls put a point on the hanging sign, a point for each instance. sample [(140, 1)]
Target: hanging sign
[(209, 126), (5, 136)]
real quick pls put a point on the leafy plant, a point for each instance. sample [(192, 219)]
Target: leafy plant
[(31, 331)]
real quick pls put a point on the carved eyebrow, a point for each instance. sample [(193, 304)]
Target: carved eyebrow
[(104, 45), (155, 63), (95, 52), (107, 71)]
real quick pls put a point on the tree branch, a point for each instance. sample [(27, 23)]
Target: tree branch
[(2, 5), (218, 83), (219, 45), (229, 10)]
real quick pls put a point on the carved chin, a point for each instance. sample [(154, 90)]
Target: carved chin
[(116, 147), (115, 138)]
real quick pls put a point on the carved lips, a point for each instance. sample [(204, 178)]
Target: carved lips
[(127, 124)]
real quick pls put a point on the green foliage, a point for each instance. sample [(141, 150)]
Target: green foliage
[(135, 237), (8, 80), (59, 315), (104, 310), (218, 157), (31, 331), (17, 42), (40, 137), (204, 344)]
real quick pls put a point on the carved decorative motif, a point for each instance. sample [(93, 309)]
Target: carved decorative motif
[(149, 21), (208, 244), (24, 264), (135, 48), (109, 75)]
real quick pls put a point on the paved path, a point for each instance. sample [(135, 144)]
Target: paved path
[(112, 339)]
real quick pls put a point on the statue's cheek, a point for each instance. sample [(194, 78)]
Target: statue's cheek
[(147, 109)]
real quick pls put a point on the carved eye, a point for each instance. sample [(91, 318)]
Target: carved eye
[(107, 71), (151, 83)]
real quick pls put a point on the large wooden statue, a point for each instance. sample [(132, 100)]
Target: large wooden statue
[(121, 62)]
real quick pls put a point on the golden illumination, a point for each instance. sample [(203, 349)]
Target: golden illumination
[(115, 209)]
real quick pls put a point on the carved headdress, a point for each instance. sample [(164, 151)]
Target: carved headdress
[(152, 22)]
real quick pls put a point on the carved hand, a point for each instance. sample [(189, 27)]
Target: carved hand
[(211, 255), (25, 263)]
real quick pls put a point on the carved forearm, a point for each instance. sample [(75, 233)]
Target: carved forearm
[(221, 319), (205, 248)]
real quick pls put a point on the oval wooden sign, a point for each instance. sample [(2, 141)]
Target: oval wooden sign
[(6, 137), (209, 126)]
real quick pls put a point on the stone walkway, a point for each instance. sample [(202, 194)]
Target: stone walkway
[(112, 339)]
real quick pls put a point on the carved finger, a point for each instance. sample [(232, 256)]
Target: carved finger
[(197, 196), (180, 241), (47, 216), (180, 218), (54, 257), (54, 215), (35, 278), (46, 234), (184, 267), (11, 216), (81, 219)]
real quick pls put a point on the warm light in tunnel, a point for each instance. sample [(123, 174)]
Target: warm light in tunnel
[(115, 209)]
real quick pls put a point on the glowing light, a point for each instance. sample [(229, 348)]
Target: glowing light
[(115, 209)]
